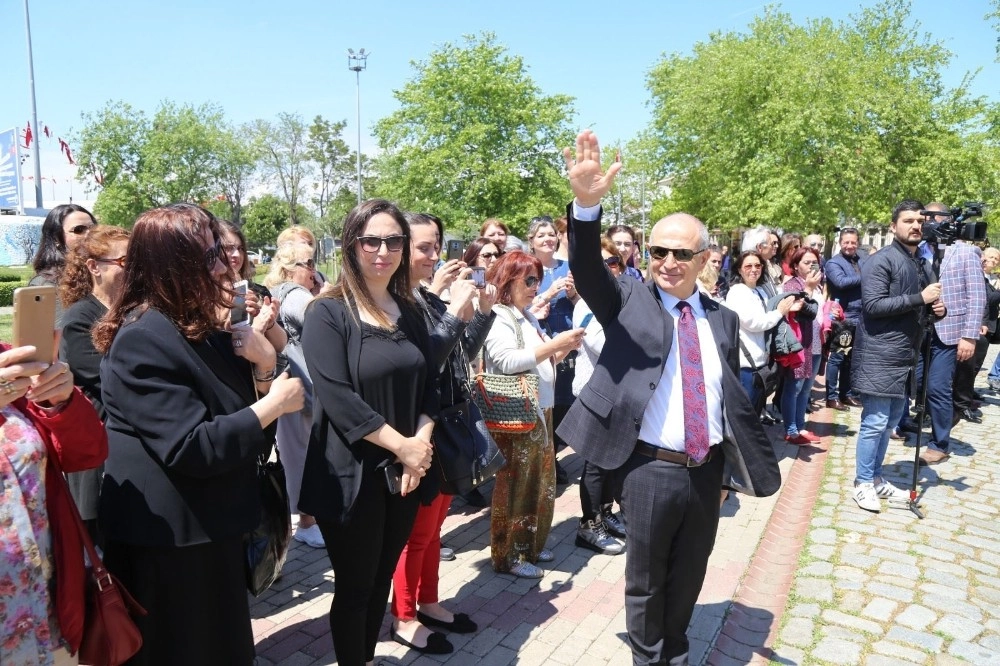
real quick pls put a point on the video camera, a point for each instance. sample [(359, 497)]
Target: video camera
[(946, 227)]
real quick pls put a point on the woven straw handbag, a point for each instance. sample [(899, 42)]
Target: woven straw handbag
[(509, 403)]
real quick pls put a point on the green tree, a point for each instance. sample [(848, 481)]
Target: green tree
[(475, 137), (263, 220), (801, 125), (334, 163), (283, 144), (146, 162), (239, 159)]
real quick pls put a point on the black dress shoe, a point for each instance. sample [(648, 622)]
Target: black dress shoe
[(562, 478), (976, 395), (462, 624), (851, 401), (766, 420), (967, 415), (436, 643)]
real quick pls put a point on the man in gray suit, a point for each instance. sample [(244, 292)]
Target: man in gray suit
[(664, 409)]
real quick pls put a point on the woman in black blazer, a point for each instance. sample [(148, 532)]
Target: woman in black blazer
[(375, 398), (185, 427)]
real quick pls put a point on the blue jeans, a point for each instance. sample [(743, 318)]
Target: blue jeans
[(940, 404), (746, 378), (838, 371), (877, 415), (795, 399), (995, 371)]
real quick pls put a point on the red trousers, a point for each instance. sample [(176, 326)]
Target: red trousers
[(416, 576)]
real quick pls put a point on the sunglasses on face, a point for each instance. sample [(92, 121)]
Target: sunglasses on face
[(752, 267), (683, 254), (117, 260), (310, 264), (491, 255), (530, 281), (80, 229), (374, 243), (212, 254), (613, 261)]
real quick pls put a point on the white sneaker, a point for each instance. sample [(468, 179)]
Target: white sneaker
[(886, 490), (866, 497), (546, 555), (524, 569), (310, 536)]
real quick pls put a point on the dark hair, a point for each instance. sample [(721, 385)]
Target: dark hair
[(737, 277), (560, 224), (474, 248), (247, 269), (787, 240), (906, 205), (426, 218), (800, 253), (850, 231), (351, 286), (77, 282), (619, 228), (510, 267), (165, 270), (51, 255)]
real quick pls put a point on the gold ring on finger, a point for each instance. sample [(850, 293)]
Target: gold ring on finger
[(9, 388)]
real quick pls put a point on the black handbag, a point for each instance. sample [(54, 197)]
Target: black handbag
[(465, 453), (267, 545)]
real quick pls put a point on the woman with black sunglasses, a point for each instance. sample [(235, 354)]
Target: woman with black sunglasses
[(524, 494), (375, 399), (63, 229)]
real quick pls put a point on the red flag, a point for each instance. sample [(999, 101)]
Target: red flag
[(27, 137), (48, 134), (98, 176), (69, 154)]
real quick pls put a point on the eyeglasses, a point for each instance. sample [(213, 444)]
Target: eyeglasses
[(682, 254), (530, 281), (811, 264), (752, 267), (212, 254), (491, 255), (117, 260), (815, 245), (80, 229), (310, 264), (374, 243), (232, 247), (613, 261), (774, 244)]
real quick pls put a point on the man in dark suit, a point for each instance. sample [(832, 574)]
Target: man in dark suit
[(664, 409)]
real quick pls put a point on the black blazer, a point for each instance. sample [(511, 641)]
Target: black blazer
[(183, 441), (339, 457), (77, 348), (603, 424)]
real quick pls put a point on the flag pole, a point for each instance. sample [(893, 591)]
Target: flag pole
[(34, 112)]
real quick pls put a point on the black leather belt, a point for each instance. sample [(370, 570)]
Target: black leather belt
[(676, 457)]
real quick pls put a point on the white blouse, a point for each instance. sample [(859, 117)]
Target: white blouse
[(501, 355)]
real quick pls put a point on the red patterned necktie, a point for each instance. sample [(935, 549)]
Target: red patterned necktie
[(693, 385)]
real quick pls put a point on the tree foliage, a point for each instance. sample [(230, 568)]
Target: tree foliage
[(283, 144), (263, 220), (801, 125), (474, 137), (334, 163)]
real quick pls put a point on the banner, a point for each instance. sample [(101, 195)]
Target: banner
[(10, 171)]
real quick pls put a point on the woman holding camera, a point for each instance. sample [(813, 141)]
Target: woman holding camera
[(805, 283)]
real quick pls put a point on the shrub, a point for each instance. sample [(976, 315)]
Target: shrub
[(7, 292), (11, 277)]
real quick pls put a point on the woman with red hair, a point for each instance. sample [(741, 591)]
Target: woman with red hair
[(524, 495)]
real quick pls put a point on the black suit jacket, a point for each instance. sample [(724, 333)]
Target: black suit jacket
[(77, 348), (603, 424), (183, 441)]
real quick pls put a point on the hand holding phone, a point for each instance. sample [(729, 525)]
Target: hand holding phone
[(238, 314), (478, 277)]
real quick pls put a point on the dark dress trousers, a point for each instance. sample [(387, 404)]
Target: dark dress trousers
[(180, 488), (671, 511)]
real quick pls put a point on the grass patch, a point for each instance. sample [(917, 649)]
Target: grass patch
[(6, 328)]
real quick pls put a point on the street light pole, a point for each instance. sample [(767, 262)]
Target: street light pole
[(34, 113), (356, 62)]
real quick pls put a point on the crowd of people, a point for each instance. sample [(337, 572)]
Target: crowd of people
[(660, 379)]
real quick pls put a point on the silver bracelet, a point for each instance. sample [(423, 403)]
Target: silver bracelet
[(269, 377)]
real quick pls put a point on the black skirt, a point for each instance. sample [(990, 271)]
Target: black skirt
[(196, 599)]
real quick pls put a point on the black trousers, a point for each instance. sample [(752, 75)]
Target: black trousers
[(597, 489), (963, 386), (671, 514), (364, 553)]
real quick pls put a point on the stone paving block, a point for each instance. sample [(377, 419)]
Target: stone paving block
[(881, 660), (798, 631), (956, 591), (921, 639), (950, 605), (890, 592), (975, 654), (880, 609), (804, 610), (814, 588), (852, 622), (852, 601), (837, 651), (895, 650), (958, 627)]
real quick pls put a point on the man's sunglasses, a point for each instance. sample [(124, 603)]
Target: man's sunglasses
[(374, 243), (683, 254)]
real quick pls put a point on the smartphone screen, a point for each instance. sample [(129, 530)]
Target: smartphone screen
[(238, 315), (478, 277), (35, 321)]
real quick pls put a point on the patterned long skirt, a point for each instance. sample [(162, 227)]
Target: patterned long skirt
[(524, 496)]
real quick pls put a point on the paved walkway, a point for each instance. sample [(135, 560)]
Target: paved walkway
[(805, 577)]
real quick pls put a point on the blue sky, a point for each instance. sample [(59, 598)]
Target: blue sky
[(256, 58)]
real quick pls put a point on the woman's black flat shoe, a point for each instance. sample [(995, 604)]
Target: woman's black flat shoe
[(462, 624), (436, 643)]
